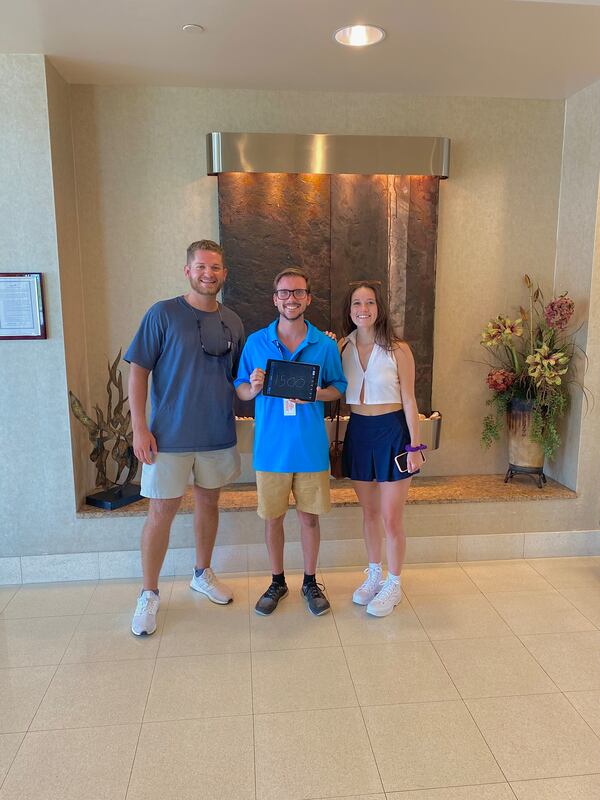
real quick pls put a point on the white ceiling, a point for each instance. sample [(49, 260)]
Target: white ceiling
[(493, 48)]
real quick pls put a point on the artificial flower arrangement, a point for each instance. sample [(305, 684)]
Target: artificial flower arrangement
[(531, 358)]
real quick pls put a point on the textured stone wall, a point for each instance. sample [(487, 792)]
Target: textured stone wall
[(339, 228)]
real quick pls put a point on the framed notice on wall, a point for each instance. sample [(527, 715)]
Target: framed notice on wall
[(21, 306)]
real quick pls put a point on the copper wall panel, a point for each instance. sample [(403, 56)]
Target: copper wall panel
[(359, 235), (268, 222), (420, 282), (339, 228)]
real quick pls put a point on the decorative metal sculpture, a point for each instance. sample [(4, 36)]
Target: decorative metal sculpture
[(114, 427)]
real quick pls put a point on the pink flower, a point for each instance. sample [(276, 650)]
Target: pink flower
[(499, 380), (558, 312)]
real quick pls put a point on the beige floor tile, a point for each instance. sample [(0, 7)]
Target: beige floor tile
[(458, 617), (357, 797), (313, 754), (9, 744), (571, 659), (410, 672), (108, 637), (355, 626), (492, 791), (6, 595), (300, 680), (538, 736), (421, 579), (65, 765), (49, 600), (538, 612), (448, 750), (493, 667), (35, 642), (21, 691), (208, 628), (437, 579), (120, 596), (587, 600), (588, 705), (568, 572), (95, 693), (292, 626), (210, 758), (583, 787), (183, 598), (343, 581), (200, 686), (505, 576)]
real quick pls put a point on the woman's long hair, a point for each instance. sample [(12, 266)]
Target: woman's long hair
[(385, 335)]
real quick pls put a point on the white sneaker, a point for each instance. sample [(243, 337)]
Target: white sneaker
[(211, 586), (386, 600), (367, 590), (144, 618)]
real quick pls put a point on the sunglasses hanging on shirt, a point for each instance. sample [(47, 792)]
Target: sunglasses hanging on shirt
[(225, 343)]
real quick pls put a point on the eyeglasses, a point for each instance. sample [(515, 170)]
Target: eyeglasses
[(225, 342), (284, 294)]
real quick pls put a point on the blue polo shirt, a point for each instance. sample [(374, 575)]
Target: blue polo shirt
[(294, 443)]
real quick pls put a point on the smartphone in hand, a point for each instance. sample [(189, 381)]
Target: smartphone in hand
[(402, 460)]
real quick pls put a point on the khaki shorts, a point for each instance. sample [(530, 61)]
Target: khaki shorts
[(169, 475), (310, 490)]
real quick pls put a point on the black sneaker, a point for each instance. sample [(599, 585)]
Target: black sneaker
[(267, 602), (317, 602)]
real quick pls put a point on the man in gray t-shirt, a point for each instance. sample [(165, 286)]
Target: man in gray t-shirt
[(191, 344)]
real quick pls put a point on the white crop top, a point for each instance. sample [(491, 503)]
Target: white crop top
[(380, 378)]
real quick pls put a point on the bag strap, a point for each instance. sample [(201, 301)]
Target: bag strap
[(338, 403), (337, 420), (335, 414)]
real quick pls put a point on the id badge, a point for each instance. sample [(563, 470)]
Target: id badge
[(289, 408)]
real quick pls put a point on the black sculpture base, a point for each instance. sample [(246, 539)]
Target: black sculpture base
[(537, 473), (117, 497)]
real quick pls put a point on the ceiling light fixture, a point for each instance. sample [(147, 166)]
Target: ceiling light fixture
[(359, 35), (191, 28)]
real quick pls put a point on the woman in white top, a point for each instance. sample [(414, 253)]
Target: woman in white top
[(380, 371)]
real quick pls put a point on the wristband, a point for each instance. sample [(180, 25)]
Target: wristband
[(416, 449)]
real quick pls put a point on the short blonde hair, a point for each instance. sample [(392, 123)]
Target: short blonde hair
[(204, 244)]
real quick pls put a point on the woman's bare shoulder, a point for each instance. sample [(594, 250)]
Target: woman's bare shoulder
[(400, 348)]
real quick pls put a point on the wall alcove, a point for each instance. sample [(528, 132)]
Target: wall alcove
[(338, 226)]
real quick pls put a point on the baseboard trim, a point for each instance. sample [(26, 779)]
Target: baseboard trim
[(334, 553)]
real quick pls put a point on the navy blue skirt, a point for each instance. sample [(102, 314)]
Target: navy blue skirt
[(371, 445)]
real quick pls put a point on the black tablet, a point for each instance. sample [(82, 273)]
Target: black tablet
[(291, 379)]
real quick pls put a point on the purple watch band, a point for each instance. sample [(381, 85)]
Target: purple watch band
[(416, 448)]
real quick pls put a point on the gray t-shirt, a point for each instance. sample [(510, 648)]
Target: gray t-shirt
[(192, 383)]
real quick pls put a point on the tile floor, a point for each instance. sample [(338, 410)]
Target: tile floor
[(483, 685)]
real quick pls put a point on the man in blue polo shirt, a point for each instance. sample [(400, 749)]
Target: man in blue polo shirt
[(291, 449)]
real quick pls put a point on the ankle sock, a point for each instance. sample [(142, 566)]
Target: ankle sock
[(198, 572), (279, 579), (308, 579), (154, 591), (373, 567), (395, 578)]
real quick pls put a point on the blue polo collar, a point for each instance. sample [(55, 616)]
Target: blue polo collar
[(312, 333)]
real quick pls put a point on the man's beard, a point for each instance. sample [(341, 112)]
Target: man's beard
[(210, 289)]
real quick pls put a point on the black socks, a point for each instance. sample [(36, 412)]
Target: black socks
[(280, 579)]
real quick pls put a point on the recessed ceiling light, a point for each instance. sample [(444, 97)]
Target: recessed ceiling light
[(359, 35), (190, 28)]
